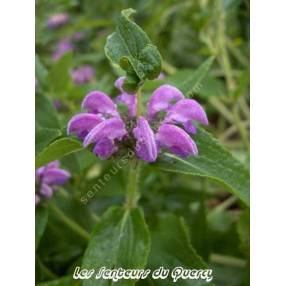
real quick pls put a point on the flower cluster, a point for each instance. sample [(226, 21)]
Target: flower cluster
[(167, 125), (57, 20), (47, 178), (83, 74)]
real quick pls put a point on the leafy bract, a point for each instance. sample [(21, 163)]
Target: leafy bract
[(121, 239), (213, 161), (130, 48), (56, 150)]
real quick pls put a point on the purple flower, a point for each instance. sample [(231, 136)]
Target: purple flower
[(177, 111), (63, 46), (83, 74), (146, 147), (101, 126), (47, 178), (57, 20), (107, 130), (128, 99)]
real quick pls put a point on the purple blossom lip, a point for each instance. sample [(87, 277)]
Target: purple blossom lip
[(83, 74), (48, 177), (104, 127), (176, 140), (57, 20), (146, 147), (162, 99), (129, 100)]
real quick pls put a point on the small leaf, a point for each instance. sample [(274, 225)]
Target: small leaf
[(41, 223), (44, 136), (121, 239), (131, 49), (46, 115), (214, 162), (57, 150), (192, 83), (59, 75), (171, 247)]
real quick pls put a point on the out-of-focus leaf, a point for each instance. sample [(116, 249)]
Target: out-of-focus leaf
[(213, 161), (41, 71), (59, 76), (131, 49), (57, 150), (243, 228), (41, 222), (121, 239), (171, 247), (46, 114), (65, 281), (44, 136), (192, 83)]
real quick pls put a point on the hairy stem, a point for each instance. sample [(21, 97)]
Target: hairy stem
[(69, 222), (132, 185)]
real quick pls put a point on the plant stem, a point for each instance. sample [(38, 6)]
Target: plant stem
[(69, 222), (132, 186)]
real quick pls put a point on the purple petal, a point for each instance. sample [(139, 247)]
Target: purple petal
[(82, 123), (57, 20), (161, 76), (53, 164), (104, 148), (99, 102), (162, 99), (83, 74), (190, 127), (55, 176), (130, 101), (187, 110), (176, 140), (146, 148), (46, 190), (113, 128), (119, 83), (63, 46)]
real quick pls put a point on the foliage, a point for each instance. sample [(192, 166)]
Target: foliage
[(191, 212)]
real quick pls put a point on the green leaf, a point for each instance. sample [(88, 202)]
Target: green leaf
[(192, 83), (62, 282), (121, 239), (243, 229), (41, 223), (130, 48), (44, 136), (171, 247), (213, 161), (59, 75), (46, 114), (41, 71), (57, 150)]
